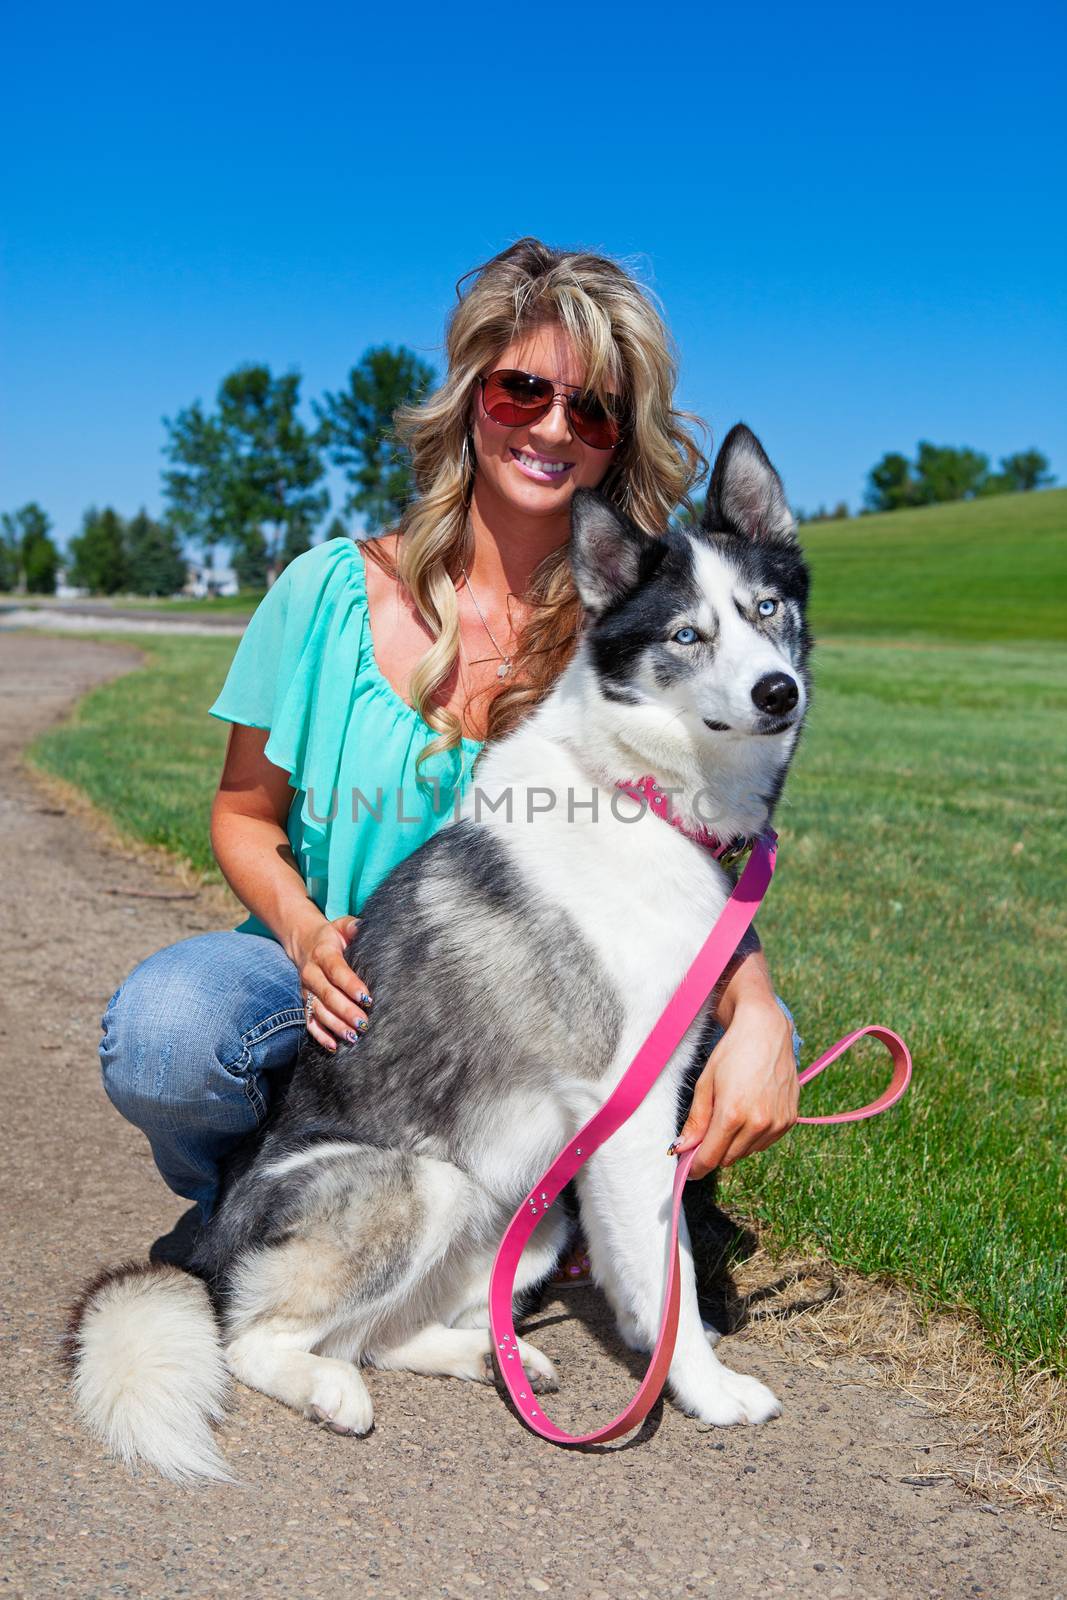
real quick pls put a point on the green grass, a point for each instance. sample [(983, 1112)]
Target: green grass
[(224, 605), (919, 884), (981, 571), (144, 749), (231, 606)]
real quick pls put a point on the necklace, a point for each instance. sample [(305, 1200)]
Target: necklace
[(505, 660)]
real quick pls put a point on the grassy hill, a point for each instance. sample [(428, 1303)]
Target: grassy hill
[(978, 571)]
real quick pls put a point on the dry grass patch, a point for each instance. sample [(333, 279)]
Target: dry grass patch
[(1008, 1428)]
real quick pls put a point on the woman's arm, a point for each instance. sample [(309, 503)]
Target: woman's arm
[(252, 848), (747, 1095)]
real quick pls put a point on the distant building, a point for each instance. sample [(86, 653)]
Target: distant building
[(206, 583), (65, 590)]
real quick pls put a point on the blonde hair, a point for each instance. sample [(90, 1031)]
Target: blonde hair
[(620, 336)]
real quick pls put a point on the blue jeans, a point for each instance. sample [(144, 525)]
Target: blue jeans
[(191, 1042)]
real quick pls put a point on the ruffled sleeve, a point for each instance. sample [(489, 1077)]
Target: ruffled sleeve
[(275, 678), (295, 672), (305, 670)]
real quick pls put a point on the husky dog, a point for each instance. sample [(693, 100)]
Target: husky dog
[(517, 961)]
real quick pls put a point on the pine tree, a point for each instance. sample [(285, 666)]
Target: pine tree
[(250, 561), (98, 554), (154, 561)]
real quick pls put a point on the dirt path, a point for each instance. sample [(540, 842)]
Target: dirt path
[(448, 1496)]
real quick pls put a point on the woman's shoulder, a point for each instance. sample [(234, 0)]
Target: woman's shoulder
[(314, 609), (349, 564), (334, 560)]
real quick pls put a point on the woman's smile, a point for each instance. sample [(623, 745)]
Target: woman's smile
[(525, 475), (542, 469)]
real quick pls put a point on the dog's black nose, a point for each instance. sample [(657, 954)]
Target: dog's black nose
[(776, 693)]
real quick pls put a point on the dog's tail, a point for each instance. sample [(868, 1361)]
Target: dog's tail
[(149, 1372)]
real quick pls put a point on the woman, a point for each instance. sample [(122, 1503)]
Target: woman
[(559, 377)]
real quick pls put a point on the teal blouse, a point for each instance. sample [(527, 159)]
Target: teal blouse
[(305, 669)]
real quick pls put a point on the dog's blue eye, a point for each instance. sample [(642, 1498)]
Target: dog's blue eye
[(767, 608), (686, 636)]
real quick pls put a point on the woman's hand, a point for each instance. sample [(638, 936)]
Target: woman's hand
[(747, 1095), (341, 1001)]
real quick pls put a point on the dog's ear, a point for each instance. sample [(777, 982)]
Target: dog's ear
[(609, 555), (745, 496)]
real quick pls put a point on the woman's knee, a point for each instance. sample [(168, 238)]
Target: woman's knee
[(156, 1046), (178, 1034)]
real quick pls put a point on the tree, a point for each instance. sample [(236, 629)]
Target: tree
[(250, 561), (203, 505), (248, 473), (1026, 470), (154, 560), (98, 553), (890, 484), (10, 566), (40, 564), (29, 560), (356, 431), (296, 539), (945, 473), (337, 530)]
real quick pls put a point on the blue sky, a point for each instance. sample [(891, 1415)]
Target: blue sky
[(853, 215)]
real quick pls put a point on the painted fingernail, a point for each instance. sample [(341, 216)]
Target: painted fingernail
[(364, 1000), (360, 1024), (351, 1036)]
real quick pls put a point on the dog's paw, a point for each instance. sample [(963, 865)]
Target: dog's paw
[(732, 1401), (543, 1377), (487, 1374), (342, 1403), (758, 1402)]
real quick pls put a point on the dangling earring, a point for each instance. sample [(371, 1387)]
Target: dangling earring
[(467, 469)]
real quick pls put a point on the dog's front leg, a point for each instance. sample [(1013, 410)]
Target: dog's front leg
[(626, 1194)]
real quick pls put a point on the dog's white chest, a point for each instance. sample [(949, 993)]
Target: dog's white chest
[(643, 896)]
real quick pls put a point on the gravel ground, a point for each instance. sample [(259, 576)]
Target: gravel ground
[(448, 1496)]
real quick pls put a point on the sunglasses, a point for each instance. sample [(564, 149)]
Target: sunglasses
[(514, 398)]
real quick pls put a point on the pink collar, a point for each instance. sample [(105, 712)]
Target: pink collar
[(658, 801)]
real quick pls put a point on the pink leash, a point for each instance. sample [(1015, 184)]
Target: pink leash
[(640, 1075)]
